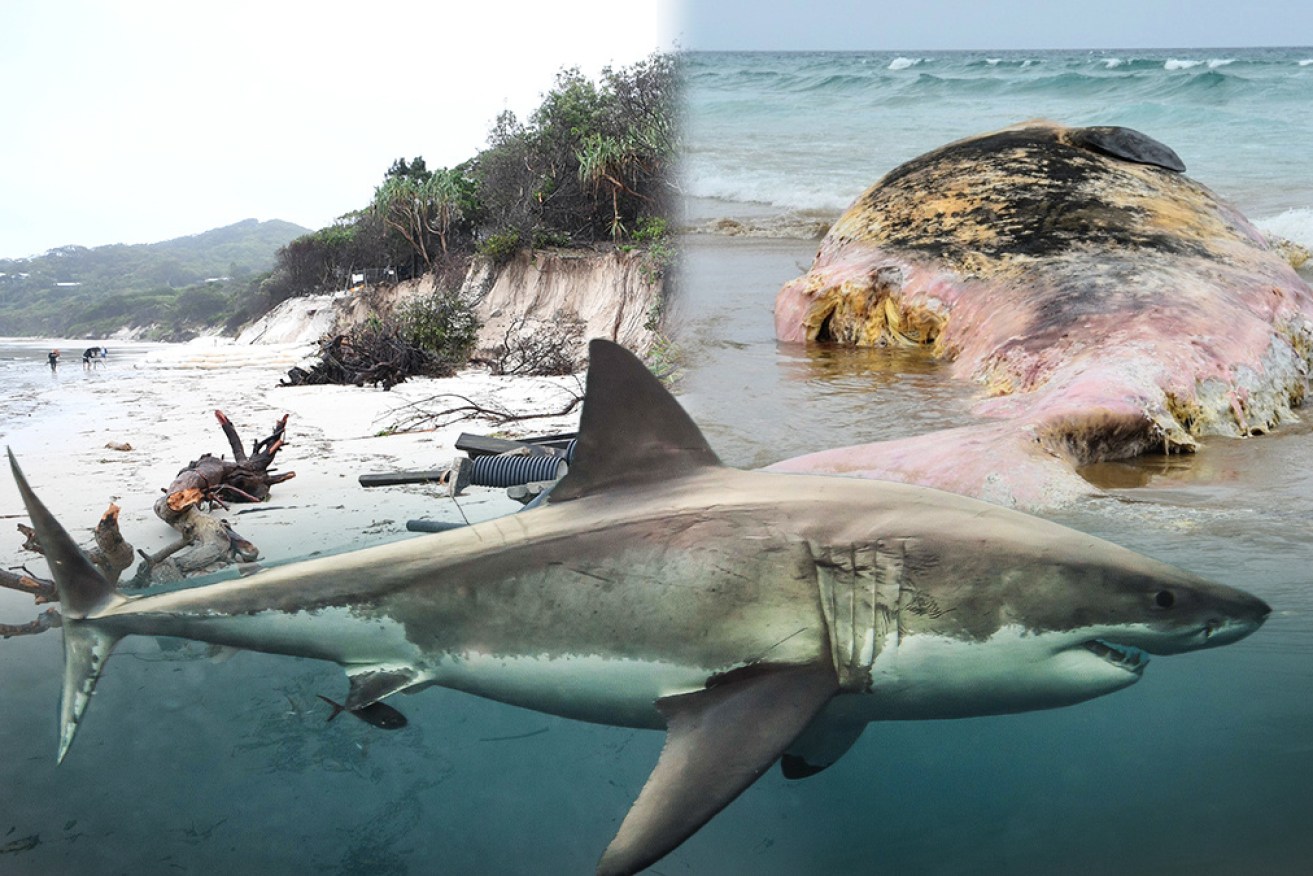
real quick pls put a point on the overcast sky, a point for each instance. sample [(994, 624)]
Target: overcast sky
[(135, 121), (141, 120), (992, 24)]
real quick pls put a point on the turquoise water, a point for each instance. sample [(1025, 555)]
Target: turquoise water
[(808, 131)]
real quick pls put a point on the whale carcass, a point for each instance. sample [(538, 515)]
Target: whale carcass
[(1108, 304)]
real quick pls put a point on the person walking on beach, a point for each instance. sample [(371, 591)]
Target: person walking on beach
[(89, 354), (54, 360)]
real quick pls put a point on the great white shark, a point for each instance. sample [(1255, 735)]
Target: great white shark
[(755, 617)]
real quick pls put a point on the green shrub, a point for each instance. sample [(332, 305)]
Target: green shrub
[(650, 228), (542, 238), (500, 247), (444, 326)]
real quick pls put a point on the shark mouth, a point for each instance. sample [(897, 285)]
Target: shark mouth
[(1122, 656)]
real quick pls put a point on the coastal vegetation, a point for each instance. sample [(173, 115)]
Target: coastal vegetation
[(590, 167)]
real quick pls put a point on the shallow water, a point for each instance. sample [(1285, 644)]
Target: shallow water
[(25, 374)]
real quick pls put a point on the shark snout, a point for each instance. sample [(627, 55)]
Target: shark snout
[(1244, 615), (1220, 620)]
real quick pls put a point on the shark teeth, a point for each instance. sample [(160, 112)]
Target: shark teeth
[(1128, 658)]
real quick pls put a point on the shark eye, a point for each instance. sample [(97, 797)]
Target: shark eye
[(1164, 599)]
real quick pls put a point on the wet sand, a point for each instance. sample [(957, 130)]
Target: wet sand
[(161, 399)]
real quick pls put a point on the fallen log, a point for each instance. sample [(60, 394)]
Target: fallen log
[(211, 543), (244, 478), (110, 554)]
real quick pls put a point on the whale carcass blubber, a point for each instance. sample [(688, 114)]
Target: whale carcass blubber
[(1109, 305), (754, 617)]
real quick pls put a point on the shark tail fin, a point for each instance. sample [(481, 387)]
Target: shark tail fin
[(86, 648), (83, 594)]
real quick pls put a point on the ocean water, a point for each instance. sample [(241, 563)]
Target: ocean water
[(774, 134)]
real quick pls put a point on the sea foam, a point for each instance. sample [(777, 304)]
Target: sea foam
[(1295, 225)]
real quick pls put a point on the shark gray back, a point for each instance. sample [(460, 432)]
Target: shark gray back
[(755, 617)]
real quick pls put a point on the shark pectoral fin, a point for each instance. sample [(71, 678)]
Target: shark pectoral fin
[(86, 648), (820, 745), (369, 684), (718, 742)]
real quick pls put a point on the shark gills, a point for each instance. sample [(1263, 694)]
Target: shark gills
[(754, 617)]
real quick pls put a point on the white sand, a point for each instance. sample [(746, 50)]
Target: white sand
[(163, 406)]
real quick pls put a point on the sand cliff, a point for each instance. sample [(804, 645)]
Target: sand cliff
[(613, 295)]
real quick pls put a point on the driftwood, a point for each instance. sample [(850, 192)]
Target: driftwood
[(381, 358), (44, 621), (459, 407), (41, 590), (217, 481), (111, 555), (206, 543), (210, 543)]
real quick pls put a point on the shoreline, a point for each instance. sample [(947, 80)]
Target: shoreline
[(164, 408), (722, 218)]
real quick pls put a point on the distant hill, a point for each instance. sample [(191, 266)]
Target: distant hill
[(76, 290)]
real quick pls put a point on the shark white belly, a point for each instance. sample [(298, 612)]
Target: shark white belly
[(1014, 670)]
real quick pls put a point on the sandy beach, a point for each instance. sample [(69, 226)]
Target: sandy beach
[(162, 404)]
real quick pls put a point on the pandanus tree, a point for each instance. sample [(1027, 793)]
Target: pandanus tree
[(607, 162), (420, 206), (401, 203)]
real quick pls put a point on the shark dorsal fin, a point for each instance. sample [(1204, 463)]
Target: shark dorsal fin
[(631, 431)]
